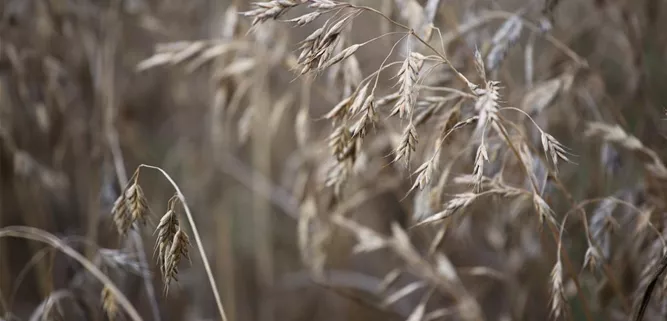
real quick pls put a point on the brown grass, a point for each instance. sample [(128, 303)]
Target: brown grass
[(435, 160)]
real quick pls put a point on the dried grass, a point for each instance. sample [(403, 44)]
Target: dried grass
[(439, 147)]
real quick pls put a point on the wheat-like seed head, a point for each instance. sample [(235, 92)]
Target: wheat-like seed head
[(368, 118), (109, 304), (557, 290), (593, 257), (553, 149), (130, 207), (136, 203), (305, 19), (264, 11), (487, 102), (425, 172), (318, 47), (346, 53), (338, 173), (121, 216), (341, 142), (407, 145), (359, 100), (459, 202), (481, 156), (166, 230), (407, 80), (179, 250), (543, 209)]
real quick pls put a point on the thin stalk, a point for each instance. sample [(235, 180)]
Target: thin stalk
[(106, 76), (420, 39), (135, 237), (554, 232)]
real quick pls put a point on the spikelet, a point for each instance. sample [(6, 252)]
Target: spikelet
[(264, 11), (425, 172), (481, 156), (136, 203), (368, 117), (179, 250), (557, 290), (121, 216), (459, 202), (408, 75), (407, 144), (553, 149), (317, 49), (109, 304), (305, 19), (166, 230), (130, 207), (340, 142)]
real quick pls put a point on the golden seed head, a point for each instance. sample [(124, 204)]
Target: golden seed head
[(137, 205), (109, 304), (167, 229), (179, 249)]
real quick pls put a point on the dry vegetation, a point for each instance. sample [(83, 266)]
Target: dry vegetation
[(413, 160)]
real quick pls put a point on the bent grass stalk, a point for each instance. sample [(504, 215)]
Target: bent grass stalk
[(35, 234)]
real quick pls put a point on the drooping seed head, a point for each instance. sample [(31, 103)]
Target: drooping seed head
[(109, 304), (136, 203), (121, 215), (179, 250), (166, 230)]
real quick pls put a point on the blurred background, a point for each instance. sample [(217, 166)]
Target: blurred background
[(85, 97)]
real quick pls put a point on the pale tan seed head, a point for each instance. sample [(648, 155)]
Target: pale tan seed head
[(264, 11), (121, 216), (406, 145), (340, 142), (136, 203), (179, 249), (166, 230), (109, 304), (408, 75)]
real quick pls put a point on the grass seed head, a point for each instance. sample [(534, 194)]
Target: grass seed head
[(408, 75), (109, 304), (136, 204), (121, 216), (264, 11), (179, 250), (166, 229), (407, 144), (557, 290)]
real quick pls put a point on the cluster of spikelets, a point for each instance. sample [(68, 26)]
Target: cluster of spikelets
[(327, 49), (355, 114), (130, 207), (172, 245), (109, 304), (358, 111)]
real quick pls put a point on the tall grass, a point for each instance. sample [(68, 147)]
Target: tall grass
[(409, 160)]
